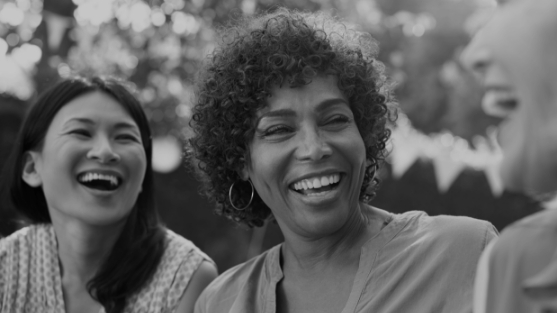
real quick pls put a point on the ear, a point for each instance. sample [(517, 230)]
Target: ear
[(243, 173), (30, 174)]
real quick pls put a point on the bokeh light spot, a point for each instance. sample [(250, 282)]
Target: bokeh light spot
[(12, 39), (157, 17), (11, 14), (64, 70), (183, 23), (140, 14), (183, 111), (167, 154), (3, 47)]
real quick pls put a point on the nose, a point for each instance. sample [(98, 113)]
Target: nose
[(103, 152), (476, 56), (312, 145), (499, 100)]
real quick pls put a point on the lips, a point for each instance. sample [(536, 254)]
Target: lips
[(499, 102), (104, 181)]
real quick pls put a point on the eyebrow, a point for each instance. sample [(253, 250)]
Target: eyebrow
[(276, 113), (329, 103), (290, 113), (84, 120)]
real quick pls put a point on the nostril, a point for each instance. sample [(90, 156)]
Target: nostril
[(104, 155)]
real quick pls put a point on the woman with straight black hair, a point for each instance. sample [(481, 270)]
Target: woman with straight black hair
[(81, 173)]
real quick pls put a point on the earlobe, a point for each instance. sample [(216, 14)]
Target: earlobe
[(30, 174), (244, 174)]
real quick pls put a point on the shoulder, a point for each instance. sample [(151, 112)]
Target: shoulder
[(23, 238), (523, 251), (10, 248), (181, 257), (250, 273), (180, 263), (543, 220), (455, 231), (444, 222), (178, 246), (16, 237), (538, 228), (205, 273), (237, 275), (19, 256)]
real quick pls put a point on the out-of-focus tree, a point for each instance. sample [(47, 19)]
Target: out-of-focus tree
[(158, 44), (420, 43)]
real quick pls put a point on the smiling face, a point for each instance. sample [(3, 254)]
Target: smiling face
[(92, 162), (307, 158), (515, 54)]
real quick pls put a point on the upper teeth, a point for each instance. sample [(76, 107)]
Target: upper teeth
[(94, 176), (317, 182)]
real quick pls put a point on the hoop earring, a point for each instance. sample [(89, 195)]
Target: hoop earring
[(230, 197)]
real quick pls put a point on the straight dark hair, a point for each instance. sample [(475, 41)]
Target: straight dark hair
[(139, 249)]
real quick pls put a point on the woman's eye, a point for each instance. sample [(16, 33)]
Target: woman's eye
[(81, 132), (276, 130), (127, 137), (338, 120)]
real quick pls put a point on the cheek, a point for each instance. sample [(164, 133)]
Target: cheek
[(137, 166), (266, 170), (529, 145), (354, 147), (58, 165), (262, 169)]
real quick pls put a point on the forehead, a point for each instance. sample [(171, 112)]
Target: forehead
[(522, 37), (93, 106), (319, 90), (527, 21)]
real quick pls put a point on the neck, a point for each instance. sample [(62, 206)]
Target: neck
[(82, 248), (341, 247)]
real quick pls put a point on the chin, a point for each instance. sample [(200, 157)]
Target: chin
[(105, 220), (326, 225)]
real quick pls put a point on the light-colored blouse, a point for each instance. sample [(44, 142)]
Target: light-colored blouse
[(417, 264), (518, 273), (30, 279)]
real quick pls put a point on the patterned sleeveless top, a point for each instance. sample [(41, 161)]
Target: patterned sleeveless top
[(30, 278)]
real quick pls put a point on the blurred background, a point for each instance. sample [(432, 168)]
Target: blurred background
[(442, 161)]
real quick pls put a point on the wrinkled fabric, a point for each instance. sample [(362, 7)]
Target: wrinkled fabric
[(520, 270), (30, 278), (416, 263)]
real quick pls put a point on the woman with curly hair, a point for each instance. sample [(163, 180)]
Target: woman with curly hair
[(81, 173), (290, 123)]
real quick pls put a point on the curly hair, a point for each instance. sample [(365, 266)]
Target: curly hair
[(283, 47)]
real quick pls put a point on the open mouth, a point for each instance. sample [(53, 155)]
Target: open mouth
[(99, 181), (499, 103), (316, 185)]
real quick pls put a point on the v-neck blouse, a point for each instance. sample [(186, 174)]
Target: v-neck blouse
[(416, 263), (30, 279)]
